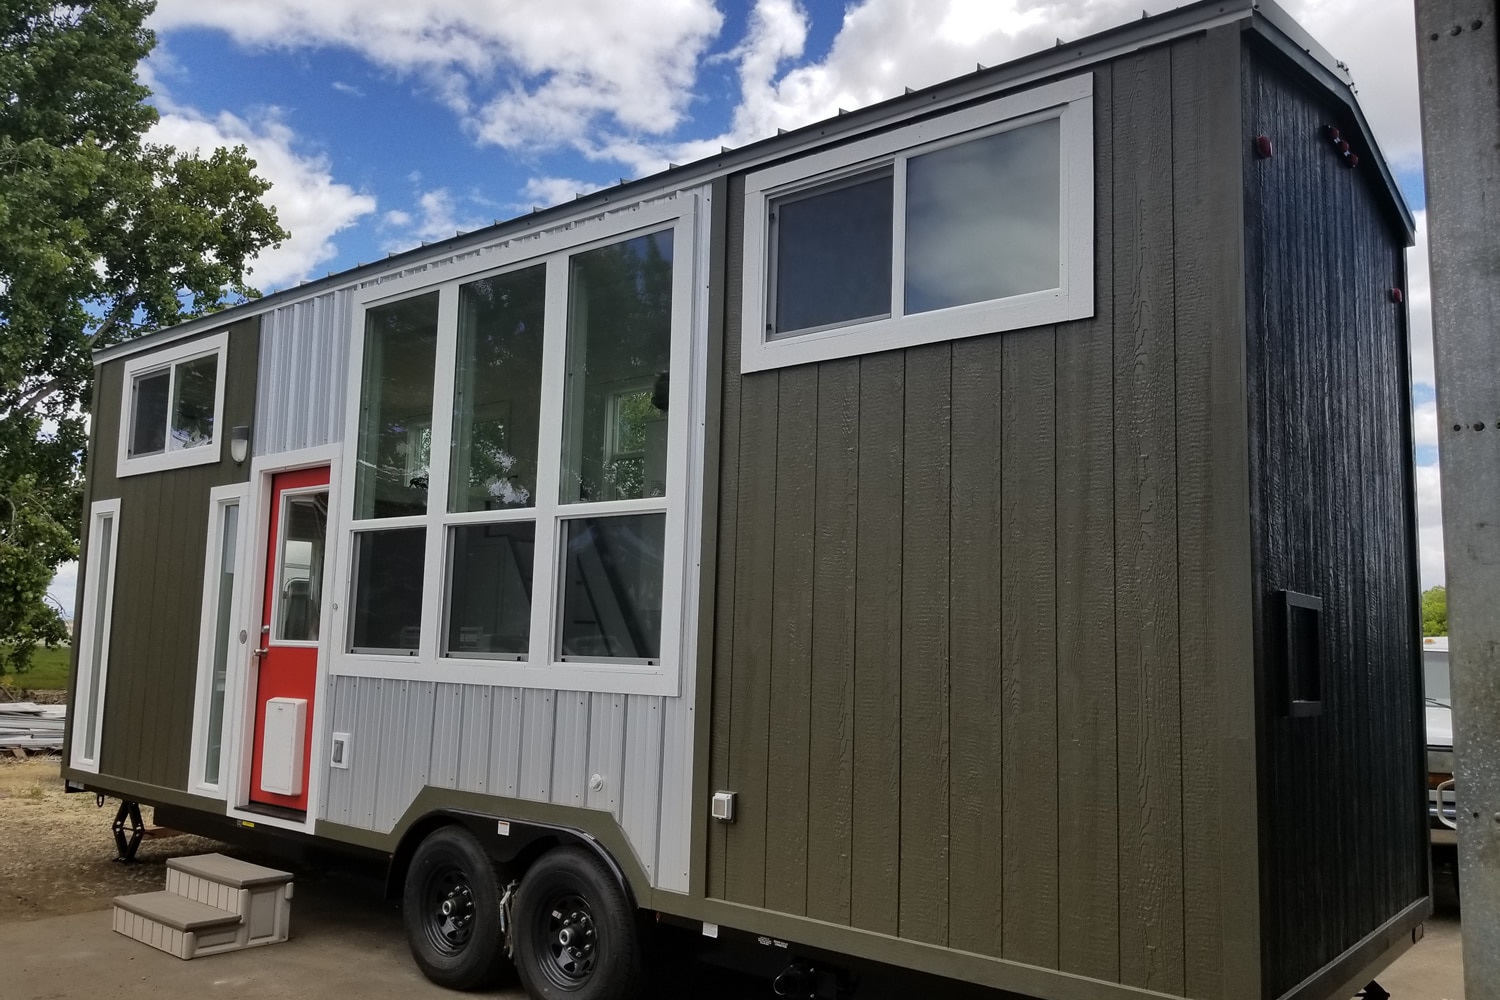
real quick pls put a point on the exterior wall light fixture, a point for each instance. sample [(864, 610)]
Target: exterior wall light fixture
[(239, 444)]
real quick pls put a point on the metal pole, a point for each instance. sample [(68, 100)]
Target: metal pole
[(1458, 49)]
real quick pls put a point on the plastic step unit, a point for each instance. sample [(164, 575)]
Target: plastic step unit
[(212, 903)]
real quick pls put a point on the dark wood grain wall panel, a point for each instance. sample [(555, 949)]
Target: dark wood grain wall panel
[(754, 630), (163, 533), (791, 642), (1220, 867), (727, 535), (977, 889), (1146, 585), (924, 647), (830, 847), (875, 902), (1342, 840), (985, 696), (1028, 557), (1087, 788)]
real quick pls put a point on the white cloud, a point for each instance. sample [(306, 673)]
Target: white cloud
[(521, 72), (1425, 425), (1378, 41), (347, 88), (64, 587), (439, 215), (544, 192), (1419, 306), (1430, 525), (310, 204)]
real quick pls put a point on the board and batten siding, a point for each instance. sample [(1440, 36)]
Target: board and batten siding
[(163, 535), (520, 743), (304, 373), (1344, 835), (982, 669)]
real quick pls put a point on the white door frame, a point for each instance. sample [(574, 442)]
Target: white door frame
[(258, 509)]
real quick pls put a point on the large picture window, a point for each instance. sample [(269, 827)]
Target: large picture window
[(974, 222), (172, 406), (535, 542)]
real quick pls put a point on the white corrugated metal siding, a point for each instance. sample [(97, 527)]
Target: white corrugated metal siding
[(521, 743), (304, 369)]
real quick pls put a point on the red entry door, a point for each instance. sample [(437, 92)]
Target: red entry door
[(287, 660)]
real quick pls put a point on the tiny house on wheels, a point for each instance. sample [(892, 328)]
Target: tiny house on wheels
[(972, 534)]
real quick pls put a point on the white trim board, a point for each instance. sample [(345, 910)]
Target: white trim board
[(1069, 101), (97, 621), (541, 668), (170, 358)]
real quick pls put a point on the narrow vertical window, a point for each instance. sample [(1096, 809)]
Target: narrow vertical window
[(615, 404), (395, 430), (223, 584), (497, 398), (93, 647), (619, 356)]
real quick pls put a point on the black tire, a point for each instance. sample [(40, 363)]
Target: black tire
[(575, 932), (451, 908)]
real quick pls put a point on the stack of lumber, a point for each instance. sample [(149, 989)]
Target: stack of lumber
[(27, 726)]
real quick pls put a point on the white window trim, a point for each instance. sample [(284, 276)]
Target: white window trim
[(219, 498), (1071, 101), (541, 669), (90, 673), (144, 364)]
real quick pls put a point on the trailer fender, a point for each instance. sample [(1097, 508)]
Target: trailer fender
[(513, 844)]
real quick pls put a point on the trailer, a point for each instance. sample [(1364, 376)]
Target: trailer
[(974, 533)]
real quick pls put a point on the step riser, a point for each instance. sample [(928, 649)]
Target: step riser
[(204, 891), (181, 944)]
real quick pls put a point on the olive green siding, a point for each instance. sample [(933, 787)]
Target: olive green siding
[(163, 532), (983, 669)]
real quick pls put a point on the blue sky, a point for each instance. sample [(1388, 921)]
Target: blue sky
[(383, 123)]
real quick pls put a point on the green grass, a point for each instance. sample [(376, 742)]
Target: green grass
[(49, 671)]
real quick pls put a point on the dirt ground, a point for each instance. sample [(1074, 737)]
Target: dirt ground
[(56, 849)]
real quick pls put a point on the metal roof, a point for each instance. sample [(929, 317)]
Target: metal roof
[(1262, 16)]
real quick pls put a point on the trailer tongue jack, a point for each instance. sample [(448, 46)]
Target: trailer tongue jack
[(125, 848)]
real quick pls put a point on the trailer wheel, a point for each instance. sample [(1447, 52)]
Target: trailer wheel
[(451, 908), (575, 930)]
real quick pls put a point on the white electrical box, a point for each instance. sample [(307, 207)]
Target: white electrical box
[(723, 806), (338, 754), (283, 737)]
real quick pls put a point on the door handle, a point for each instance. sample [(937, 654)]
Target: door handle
[(1446, 786)]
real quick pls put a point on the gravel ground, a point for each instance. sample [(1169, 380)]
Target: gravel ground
[(56, 849)]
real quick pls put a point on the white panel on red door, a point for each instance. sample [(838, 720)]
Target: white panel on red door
[(285, 726)]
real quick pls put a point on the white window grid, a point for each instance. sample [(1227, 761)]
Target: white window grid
[(542, 667), (170, 359)]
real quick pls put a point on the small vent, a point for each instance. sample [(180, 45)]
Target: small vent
[(1303, 652)]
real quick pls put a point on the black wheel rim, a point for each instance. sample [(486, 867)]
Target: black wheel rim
[(570, 941), (448, 909)]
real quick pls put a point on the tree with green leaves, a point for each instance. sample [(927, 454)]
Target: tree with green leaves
[(1435, 611), (103, 235)]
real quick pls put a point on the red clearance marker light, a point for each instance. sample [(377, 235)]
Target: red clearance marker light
[(1396, 296), (1263, 147)]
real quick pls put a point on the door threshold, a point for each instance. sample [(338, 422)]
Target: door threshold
[(276, 812)]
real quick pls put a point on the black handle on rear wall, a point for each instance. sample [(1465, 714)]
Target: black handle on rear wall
[(1304, 648)]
